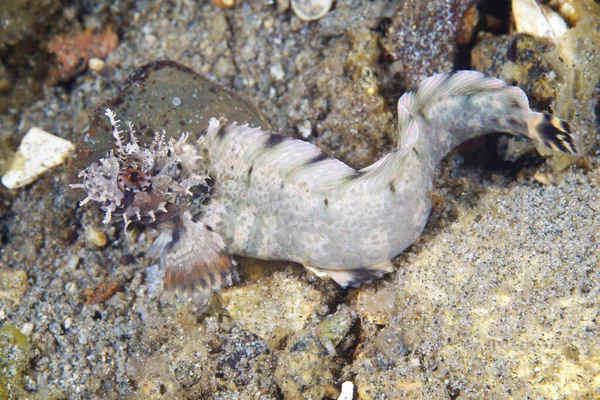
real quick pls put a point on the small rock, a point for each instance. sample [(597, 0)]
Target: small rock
[(305, 129), (347, 391), (542, 178), (68, 323), (72, 50), (277, 72), (311, 10), (13, 284), (272, 310), (96, 237), (389, 342), (303, 368), (223, 3), (72, 262), (268, 22), (27, 328), (96, 64), (537, 20), (38, 152)]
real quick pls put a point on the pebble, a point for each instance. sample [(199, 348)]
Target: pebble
[(305, 129), (268, 22), (68, 322), (27, 328), (96, 237), (277, 72), (96, 64), (311, 10), (223, 3), (537, 20), (176, 101), (542, 178), (347, 391), (275, 313), (304, 366), (13, 284), (390, 342), (38, 152), (72, 262)]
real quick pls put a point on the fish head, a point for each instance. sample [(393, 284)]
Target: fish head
[(146, 183)]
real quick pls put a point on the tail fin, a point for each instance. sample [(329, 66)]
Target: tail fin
[(454, 107), (553, 132)]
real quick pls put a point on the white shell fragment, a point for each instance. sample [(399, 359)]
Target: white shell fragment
[(538, 20), (311, 10), (38, 152), (347, 391)]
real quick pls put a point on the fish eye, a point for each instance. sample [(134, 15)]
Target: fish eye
[(134, 176), (134, 179)]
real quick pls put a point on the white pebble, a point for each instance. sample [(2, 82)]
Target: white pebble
[(27, 328), (276, 71), (330, 347), (96, 64), (311, 10), (305, 129), (68, 323), (176, 101), (38, 152), (72, 262), (347, 391)]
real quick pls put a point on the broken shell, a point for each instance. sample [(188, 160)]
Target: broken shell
[(311, 10), (38, 152)]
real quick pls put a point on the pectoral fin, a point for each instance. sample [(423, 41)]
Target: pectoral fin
[(193, 256)]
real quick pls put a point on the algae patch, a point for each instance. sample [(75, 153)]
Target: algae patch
[(14, 357)]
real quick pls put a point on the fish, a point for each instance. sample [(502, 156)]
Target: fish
[(238, 190)]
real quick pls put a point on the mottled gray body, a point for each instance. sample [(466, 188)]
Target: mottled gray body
[(347, 220), (291, 202), (245, 191)]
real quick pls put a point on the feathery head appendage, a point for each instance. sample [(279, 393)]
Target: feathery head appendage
[(132, 138), (147, 184), (119, 149)]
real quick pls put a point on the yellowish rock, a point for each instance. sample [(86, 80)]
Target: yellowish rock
[(96, 64), (273, 309), (96, 237), (13, 284)]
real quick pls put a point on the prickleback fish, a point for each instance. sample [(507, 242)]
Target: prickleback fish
[(240, 190)]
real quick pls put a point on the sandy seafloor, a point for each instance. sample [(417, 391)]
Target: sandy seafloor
[(499, 298)]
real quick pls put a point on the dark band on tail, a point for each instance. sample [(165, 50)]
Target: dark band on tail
[(556, 134)]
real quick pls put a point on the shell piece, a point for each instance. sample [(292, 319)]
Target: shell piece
[(347, 391), (38, 152), (311, 10)]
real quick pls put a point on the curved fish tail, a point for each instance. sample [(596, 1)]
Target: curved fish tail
[(552, 132), (454, 107)]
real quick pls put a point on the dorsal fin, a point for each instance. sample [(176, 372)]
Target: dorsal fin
[(291, 158)]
